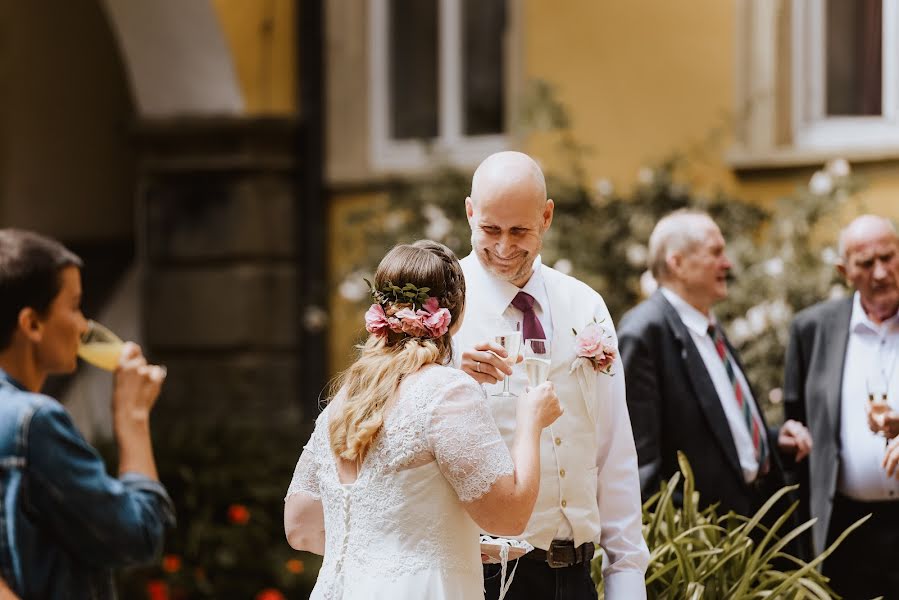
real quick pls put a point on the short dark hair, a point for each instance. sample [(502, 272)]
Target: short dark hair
[(30, 266)]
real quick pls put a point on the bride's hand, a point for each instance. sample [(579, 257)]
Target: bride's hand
[(542, 405)]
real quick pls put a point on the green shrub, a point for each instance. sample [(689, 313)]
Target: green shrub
[(699, 554)]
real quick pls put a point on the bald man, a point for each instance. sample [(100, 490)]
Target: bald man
[(589, 486), (839, 351)]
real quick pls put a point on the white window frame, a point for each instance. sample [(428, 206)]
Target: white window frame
[(812, 129), (451, 144)]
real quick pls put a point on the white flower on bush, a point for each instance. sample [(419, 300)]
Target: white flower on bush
[(646, 176), (605, 187), (315, 318), (821, 183), (776, 396), (563, 265), (838, 167), (779, 312), (353, 287), (740, 331), (830, 256), (636, 255), (757, 318), (836, 292), (438, 224), (774, 266), (648, 284)]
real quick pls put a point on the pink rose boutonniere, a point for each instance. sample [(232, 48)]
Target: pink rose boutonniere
[(594, 347)]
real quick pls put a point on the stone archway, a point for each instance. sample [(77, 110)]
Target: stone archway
[(176, 58)]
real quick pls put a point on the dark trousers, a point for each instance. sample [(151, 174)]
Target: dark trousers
[(535, 580), (866, 564)]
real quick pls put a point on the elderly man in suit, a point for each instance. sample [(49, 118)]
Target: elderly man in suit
[(841, 351), (589, 486), (686, 387)]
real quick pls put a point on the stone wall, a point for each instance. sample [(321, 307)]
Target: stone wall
[(219, 237)]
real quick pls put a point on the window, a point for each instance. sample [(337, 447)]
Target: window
[(438, 73), (845, 74)]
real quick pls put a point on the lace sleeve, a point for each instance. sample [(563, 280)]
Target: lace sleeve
[(465, 441), (305, 475)]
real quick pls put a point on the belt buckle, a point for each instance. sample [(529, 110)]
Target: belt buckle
[(551, 556)]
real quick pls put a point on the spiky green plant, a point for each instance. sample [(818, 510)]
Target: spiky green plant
[(699, 554)]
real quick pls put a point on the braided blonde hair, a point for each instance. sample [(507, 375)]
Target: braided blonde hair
[(373, 379)]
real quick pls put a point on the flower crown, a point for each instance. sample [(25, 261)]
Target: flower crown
[(408, 309)]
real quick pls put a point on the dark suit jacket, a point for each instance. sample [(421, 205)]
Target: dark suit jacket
[(674, 406), (813, 383)]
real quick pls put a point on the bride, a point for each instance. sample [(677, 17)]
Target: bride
[(405, 466)]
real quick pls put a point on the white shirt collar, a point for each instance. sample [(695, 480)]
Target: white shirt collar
[(536, 286), (859, 321), (692, 318), (497, 294)]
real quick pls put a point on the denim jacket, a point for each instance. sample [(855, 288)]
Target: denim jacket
[(65, 524)]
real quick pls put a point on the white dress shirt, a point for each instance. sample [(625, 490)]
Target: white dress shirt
[(698, 325), (871, 353), (589, 486)]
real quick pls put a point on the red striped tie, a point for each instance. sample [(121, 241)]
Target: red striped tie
[(752, 422)]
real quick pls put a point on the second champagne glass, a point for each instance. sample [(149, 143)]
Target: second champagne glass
[(537, 360), (508, 335)]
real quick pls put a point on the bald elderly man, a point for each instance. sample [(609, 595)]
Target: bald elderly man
[(589, 486), (839, 351)]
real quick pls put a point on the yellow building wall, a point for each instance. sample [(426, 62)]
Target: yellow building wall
[(262, 37), (642, 80), (648, 78)]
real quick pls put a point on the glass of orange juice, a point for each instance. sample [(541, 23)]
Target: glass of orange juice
[(100, 347)]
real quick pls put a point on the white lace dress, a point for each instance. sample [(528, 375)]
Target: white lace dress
[(401, 530)]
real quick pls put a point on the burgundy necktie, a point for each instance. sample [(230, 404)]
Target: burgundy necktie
[(531, 328)]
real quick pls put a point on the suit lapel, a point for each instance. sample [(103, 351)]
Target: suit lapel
[(706, 394), (837, 341)]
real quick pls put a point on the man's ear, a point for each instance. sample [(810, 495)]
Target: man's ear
[(30, 324), (841, 269), (469, 209), (548, 210), (673, 262)]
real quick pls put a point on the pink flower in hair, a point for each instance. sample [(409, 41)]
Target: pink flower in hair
[(376, 320), (411, 323), (435, 319), (431, 305), (438, 322)]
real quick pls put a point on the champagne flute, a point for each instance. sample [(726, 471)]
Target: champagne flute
[(537, 359), (100, 347), (877, 391), (508, 335)]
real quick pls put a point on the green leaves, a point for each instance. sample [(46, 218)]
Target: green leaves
[(698, 554), (391, 293)]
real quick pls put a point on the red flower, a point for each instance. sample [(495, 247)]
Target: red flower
[(270, 594), (295, 566), (171, 563), (238, 514), (157, 590)]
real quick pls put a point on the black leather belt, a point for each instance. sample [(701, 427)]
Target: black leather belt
[(562, 553)]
